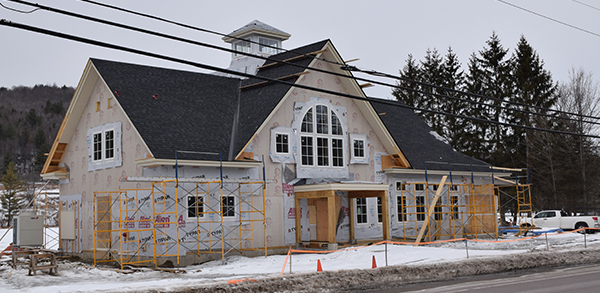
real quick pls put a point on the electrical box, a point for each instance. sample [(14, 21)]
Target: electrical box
[(28, 229)]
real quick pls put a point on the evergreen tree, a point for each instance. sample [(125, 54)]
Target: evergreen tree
[(407, 87), (432, 73), (533, 89), (453, 79), (41, 148), (490, 76), (10, 199)]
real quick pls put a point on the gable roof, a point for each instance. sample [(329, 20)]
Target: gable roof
[(175, 110)]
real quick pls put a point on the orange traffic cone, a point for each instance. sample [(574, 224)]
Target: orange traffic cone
[(374, 263), (319, 268)]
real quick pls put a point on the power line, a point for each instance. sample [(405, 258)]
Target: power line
[(550, 18), (200, 29), (17, 10), (344, 67), (371, 72), (213, 68), (585, 4)]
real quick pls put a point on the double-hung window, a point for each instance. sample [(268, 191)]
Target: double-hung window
[(361, 211), (195, 206), (228, 206), (104, 145), (282, 145), (321, 138)]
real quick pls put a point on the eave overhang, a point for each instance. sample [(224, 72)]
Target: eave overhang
[(153, 162), (342, 187)]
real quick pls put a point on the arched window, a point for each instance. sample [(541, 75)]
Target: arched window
[(321, 138)]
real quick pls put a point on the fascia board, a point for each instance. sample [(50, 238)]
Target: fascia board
[(151, 162), (341, 187), (442, 172)]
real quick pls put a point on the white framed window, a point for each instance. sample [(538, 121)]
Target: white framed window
[(104, 146), (282, 143), (97, 152), (243, 46), (401, 205), (264, 44), (195, 206), (419, 186), (437, 210), (361, 211), (109, 144), (379, 210), (322, 132), (421, 207), (359, 148), (228, 206)]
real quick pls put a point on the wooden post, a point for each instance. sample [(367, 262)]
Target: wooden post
[(438, 193), (332, 218), (298, 218), (385, 215), (351, 220)]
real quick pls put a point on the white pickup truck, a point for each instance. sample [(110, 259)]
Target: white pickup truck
[(560, 219)]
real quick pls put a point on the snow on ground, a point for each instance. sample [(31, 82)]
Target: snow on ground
[(83, 277)]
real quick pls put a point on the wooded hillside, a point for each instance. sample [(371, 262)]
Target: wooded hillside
[(29, 120)]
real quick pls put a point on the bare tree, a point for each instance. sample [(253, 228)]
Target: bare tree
[(580, 95)]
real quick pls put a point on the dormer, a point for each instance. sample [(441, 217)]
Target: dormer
[(256, 38)]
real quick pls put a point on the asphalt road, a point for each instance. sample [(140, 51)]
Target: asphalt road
[(561, 280)]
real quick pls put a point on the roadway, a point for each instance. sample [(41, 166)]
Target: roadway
[(560, 280)]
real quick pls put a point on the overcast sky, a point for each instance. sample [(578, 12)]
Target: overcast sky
[(380, 33)]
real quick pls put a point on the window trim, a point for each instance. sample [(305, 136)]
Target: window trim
[(286, 144), (365, 213), (322, 155), (223, 206), (262, 48), (235, 46), (200, 214)]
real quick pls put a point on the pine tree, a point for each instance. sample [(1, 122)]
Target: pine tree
[(407, 87), (10, 199), (432, 73), (490, 76), (453, 79)]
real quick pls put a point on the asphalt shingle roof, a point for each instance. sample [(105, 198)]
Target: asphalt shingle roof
[(195, 111), (416, 141)]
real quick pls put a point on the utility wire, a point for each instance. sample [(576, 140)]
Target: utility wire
[(550, 18), (5, 22), (17, 10), (351, 68), (344, 67), (201, 29), (585, 4)]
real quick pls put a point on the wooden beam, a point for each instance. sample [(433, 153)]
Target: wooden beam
[(292, 59), (352, 60), (365, 193), (279, 78), (438, 193), (315, 194), (366, 85)]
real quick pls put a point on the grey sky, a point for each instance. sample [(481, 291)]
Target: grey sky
[(380, 33)]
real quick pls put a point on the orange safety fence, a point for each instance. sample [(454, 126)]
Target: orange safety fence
[(423, 243)]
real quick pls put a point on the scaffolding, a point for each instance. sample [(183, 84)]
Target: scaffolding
[(465, 210), (47, 208), (462, 211), (179, 217)]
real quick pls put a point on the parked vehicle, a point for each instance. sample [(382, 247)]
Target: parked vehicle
[(562, 220)]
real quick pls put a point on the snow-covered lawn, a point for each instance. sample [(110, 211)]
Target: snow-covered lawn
[(80, 277)]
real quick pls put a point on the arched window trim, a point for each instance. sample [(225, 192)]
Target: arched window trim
[(314, 139)]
